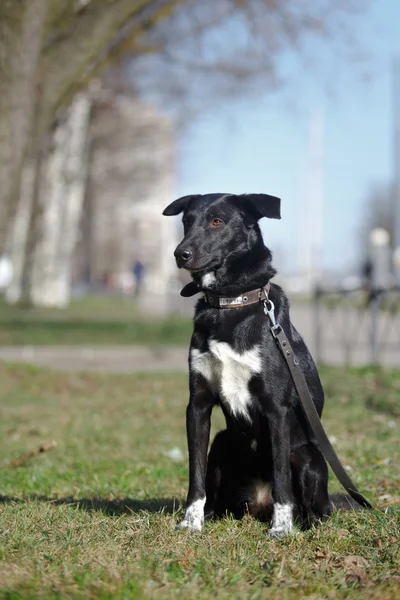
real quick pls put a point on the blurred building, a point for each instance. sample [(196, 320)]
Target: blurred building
[(131, 180)]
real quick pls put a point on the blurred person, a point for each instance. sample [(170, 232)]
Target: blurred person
[(138, 272)]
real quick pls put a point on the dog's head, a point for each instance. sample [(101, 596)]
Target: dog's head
[(218, 226)]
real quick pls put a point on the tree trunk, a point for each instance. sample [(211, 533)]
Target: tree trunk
[(20, 231), (42, 270), (62, 201), (21, 31), (76, 176)]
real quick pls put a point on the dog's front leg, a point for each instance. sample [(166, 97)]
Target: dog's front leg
[(282, 519), (198, 422)]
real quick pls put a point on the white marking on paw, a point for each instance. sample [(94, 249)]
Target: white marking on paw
[(194, 516), (208, 279), (229, 372), (253, 445), (282, 520)]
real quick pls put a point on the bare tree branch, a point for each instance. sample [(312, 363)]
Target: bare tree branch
[(208, 55), (79, 51)]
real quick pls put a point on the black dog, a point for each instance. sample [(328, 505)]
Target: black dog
[(267, 462)]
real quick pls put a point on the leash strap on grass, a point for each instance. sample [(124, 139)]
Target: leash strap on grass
[(310, 410)]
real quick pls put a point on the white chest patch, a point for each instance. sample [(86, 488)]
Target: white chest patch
[(230, 372)]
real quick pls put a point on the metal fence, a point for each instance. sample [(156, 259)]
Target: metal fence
[(357, 327)]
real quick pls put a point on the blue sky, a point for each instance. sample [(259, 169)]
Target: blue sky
[(261, 145)]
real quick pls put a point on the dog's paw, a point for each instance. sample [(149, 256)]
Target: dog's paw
[(280, 532), (194, 517), (282, 521), (190, 525)]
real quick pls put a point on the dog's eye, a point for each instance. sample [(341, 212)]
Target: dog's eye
[(217, 222)]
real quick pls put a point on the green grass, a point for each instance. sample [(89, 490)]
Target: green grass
[(95, 517), (90, 321)]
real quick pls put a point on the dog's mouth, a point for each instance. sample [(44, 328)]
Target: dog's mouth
[(211, 266), (198, 270), (195, 267), (193, 270)]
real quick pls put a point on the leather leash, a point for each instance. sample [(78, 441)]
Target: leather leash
[(309, 407)]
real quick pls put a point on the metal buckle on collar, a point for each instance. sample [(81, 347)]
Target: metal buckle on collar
[(211, 300), (269, 310)]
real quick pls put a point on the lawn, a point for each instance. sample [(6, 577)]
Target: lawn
[(94, 517), (90, 321)]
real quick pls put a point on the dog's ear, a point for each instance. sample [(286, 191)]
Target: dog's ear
[(178, 206), (262, 205), (190, 289)]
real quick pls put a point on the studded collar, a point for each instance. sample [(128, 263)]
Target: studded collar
[(252, 297)]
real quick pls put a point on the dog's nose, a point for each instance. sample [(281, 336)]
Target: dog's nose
[(182, 254)]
